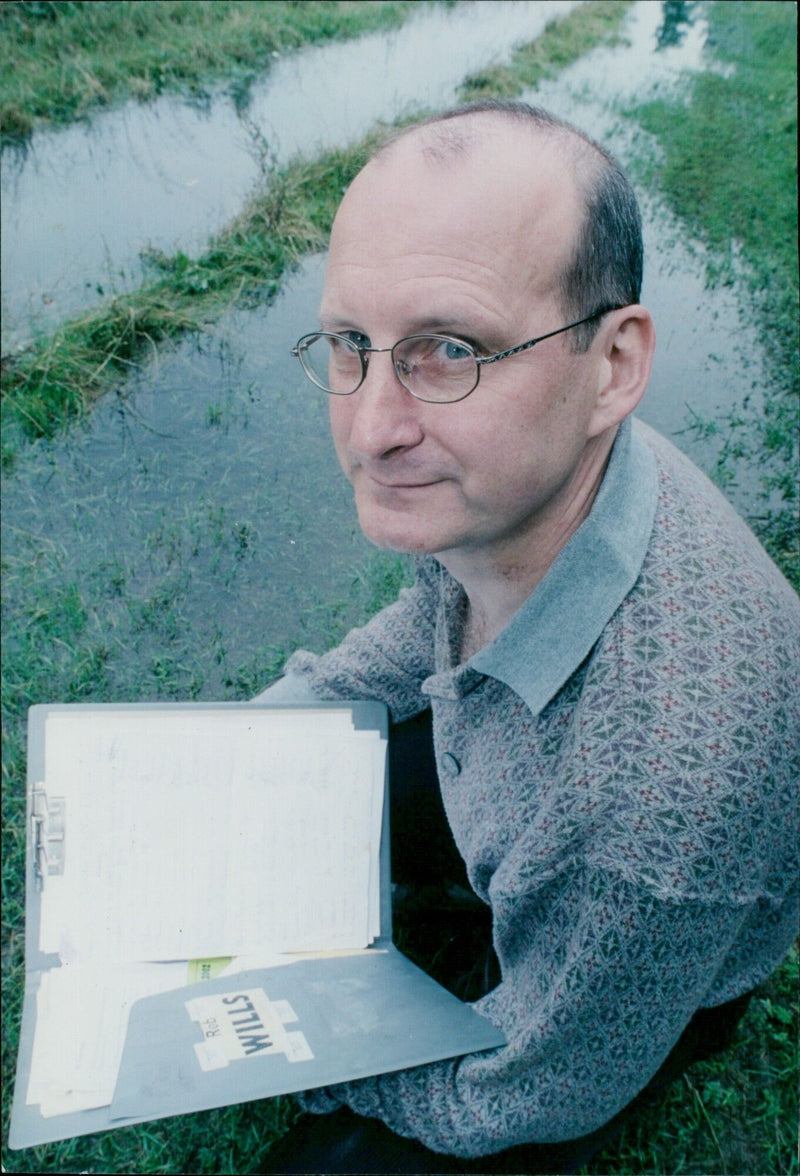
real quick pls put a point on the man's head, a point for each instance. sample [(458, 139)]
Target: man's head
[(604, 266), (476, 226)]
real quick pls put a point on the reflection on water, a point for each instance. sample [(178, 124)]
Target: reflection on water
[(79, 204), (678, 16)]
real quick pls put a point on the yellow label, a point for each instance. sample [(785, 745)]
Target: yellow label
[(206, 969)]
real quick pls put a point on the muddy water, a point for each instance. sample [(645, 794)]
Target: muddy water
[(202, 513), (80, 203)]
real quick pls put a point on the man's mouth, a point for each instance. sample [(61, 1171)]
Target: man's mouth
[(388, 484)]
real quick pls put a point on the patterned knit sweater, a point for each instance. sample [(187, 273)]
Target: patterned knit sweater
[(620, 773)]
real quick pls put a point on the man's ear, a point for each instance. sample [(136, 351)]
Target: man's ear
[(628, 340)]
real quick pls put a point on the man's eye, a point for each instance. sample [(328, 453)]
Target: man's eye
[(451, 349), (357, 338)]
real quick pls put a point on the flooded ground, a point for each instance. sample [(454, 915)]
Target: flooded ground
[(206, 507), (80, 203), (202, 513)]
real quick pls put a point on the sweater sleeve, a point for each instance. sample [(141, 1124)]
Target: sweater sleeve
[(599, 980), (386, 660)]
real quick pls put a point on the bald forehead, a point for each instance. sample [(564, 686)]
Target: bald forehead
[(500, 183), (487, 147), (453, 138)]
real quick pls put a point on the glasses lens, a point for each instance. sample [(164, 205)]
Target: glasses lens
[(332, 362), (435, 367)]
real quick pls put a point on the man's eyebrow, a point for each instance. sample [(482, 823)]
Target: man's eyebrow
[(444, 324), (487, 337), (328, 322), (439, 323)]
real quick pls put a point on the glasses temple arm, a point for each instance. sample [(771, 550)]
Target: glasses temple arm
[(540, 339)]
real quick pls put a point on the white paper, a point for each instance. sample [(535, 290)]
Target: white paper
[(81, 1019), (213, 833)]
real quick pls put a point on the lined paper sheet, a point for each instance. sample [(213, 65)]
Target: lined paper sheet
[(212, 833)]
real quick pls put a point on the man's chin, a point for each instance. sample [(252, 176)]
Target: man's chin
[(397, 532)]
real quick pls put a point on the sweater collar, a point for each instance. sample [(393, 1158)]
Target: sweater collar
[(561, 621)]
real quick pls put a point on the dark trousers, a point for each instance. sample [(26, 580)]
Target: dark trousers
[(445, 928)]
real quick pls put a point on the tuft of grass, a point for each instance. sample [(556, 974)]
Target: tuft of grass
[(59, 60), (55, 381), (561, 43), (735, 1114)]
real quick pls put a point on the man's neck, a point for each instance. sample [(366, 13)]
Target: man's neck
[(497, 582)]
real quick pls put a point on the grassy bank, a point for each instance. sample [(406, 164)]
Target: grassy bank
[(562, 42), (62, 58), (59, 377)]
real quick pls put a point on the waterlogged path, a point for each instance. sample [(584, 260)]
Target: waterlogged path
[(79, 204), (201, 518)]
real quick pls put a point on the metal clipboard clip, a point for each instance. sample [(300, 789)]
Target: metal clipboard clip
[(48, 828)]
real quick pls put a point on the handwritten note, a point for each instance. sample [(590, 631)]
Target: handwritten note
[(212, 833)]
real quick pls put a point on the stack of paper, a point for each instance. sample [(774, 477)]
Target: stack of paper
[(189, 835)]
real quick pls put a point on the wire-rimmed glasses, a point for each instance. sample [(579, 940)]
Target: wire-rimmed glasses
[(439, 369)]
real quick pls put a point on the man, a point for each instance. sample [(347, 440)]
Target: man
[(609, 660)]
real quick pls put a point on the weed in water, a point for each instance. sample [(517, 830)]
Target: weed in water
[(55, 380)]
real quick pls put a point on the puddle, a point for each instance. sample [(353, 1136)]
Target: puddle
[(80, 203), (204, 516), (205, 510)]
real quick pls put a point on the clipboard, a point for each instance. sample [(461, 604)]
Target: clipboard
[(250, 1032)]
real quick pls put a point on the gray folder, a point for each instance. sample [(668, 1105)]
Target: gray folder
[(256, 1033)]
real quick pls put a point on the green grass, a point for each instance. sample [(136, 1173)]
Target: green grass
[(60, 59), (562, 42), (734, 1115), (727, 164), (56, 380)]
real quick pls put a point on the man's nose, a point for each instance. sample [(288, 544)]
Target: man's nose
[(385, 416)]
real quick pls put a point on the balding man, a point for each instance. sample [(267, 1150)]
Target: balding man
[(608, 659)]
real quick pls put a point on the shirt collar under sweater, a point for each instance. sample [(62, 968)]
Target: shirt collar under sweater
[(561, 621)]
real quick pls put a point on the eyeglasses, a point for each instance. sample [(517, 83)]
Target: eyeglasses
[(435, 368)]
